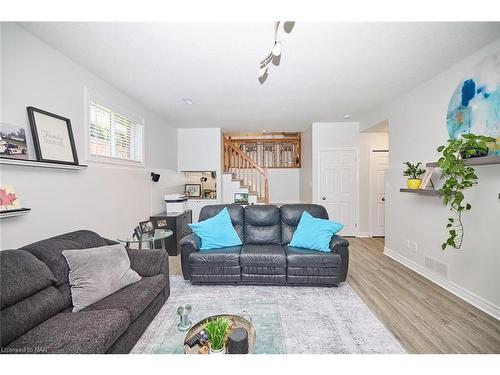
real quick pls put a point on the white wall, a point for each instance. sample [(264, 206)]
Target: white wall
[(200, 149), (347, 135), (305, 173), (283, 185), (417, 126), (108, 199)]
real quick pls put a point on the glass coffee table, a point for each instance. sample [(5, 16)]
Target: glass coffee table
[(266, 320)]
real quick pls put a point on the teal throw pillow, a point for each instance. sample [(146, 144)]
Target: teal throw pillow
[(313, 233), (216, 232)]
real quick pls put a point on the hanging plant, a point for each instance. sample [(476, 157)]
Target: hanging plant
[(458, 178)]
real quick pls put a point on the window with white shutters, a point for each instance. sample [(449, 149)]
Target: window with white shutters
[(114, 135)]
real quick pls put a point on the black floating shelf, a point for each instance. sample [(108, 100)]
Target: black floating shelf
[(420, 191), (485, 160), (16, 212), (40, 164)]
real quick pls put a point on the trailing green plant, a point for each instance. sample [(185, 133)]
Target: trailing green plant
[(413, 171), (458, 178), (216, 330)]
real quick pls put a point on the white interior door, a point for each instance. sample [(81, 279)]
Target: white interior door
[(338, 191), (379, 161)]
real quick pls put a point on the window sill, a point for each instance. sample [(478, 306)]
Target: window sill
[(106, 160)]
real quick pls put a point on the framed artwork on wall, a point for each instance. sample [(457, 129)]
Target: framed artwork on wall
[(427, 178), (193, 190), (52, 137), (13, 142)]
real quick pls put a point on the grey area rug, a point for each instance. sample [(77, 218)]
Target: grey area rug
[(287, 319)]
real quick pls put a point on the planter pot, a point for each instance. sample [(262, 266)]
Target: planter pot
[(220, 351), (413, 183)]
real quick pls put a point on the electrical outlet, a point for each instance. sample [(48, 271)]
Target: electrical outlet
[(414, 247)]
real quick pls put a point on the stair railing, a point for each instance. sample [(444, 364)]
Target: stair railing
[(243, 168)]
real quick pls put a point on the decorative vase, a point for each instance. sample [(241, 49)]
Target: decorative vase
[(413, 183), (220, 351)]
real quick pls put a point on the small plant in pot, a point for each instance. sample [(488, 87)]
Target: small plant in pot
[(413, 172), (217, 330)]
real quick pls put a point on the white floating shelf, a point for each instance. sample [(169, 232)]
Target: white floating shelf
[(12, 213), (39, 164)]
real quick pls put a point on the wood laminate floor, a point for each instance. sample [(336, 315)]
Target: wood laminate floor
[(424, 317)]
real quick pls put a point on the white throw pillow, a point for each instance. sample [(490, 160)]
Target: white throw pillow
[(97, 272)]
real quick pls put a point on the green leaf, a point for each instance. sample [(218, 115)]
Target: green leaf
[(443, 246), (440, 148), (468, 206)]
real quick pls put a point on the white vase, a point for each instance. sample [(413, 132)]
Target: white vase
[(220, 351)]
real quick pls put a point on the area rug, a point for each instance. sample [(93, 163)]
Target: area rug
[(288, 319)]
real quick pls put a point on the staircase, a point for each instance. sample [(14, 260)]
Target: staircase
[(246, 171)]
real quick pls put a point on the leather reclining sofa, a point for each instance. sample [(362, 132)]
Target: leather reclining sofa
[(265, 257)]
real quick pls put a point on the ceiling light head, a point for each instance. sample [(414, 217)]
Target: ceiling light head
[(276, 49), (347, 116), (187, 101), (262, 70)]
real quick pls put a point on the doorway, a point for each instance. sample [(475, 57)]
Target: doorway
[(338, 191), (379, 162)]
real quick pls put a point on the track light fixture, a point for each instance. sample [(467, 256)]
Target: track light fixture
[(275, 54)]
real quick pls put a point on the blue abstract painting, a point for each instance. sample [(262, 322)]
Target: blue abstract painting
[(475, 104)]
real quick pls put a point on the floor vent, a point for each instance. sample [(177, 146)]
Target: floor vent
[(435, 266)]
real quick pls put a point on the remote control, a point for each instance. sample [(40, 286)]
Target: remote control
[(197, 338)]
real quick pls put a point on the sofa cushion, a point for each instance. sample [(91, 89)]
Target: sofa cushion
[(81, 332), (297, 257), (315, 234), (235, 213), (133, 298), (229, 256), (262, 225), (290, 217), (262, 255), (21, 275), (98, 272), (26, 314), (50, 250)]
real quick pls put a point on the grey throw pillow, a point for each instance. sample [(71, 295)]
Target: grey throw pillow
[(97, 272)]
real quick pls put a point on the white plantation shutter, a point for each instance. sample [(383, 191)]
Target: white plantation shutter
[(114, 134)]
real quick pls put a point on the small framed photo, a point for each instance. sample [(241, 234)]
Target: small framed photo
[(52, 137), (427, 178), (241, 198), (193, 190), (146, 227), (160, 223), (137, 233), (13, 142)]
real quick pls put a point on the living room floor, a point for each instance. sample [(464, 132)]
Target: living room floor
[(424, 317)]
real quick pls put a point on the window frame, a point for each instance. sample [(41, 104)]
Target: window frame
[(99, 99)]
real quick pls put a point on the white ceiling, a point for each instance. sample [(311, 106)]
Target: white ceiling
[(327, 69)]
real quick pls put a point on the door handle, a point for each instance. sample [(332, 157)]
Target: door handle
[(383, 199), (324, 198)]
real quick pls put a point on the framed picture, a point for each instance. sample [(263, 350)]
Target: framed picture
[(427, 178), (241, 198), (193, 190), (13, 142), (52, 137), (146, 227), (137, 233), (8, 199), (160, 223)]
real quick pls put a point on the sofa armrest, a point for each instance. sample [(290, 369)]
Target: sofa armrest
[(340, 246), (189, 244)]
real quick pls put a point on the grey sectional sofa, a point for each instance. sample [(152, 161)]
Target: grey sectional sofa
[(265, 257), (35, 298)]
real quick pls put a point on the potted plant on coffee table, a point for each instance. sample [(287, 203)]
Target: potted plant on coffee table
[(413, 172), (217, 330)]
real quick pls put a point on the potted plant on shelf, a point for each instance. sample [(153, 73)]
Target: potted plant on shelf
[(217, 330), (458, 178), (414, 172)]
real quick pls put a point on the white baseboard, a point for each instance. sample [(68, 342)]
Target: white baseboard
[(486, 306), (364, 235)]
